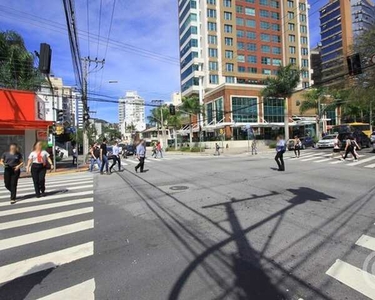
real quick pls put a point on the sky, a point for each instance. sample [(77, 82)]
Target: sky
[(142, 52)]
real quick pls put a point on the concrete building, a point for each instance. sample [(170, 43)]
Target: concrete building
[(316, 65), (176, 99), (132, 111), (340, 22)]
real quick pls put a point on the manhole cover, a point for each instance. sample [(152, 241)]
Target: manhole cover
[(178, 188)]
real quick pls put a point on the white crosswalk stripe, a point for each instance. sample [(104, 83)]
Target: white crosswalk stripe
[(362, 161), (68, 196)]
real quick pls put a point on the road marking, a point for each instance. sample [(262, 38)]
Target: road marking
[(322, 160), (43, 235), (362, 161), (357, 279), (84, 290), (370, 166), (311, 158), (133, 161), (68, 189), (310, 155), (366, 242), (336, 162), (44, 206), (28, 181), (46, 218), (44, 262), (31, 187), (124, 164)]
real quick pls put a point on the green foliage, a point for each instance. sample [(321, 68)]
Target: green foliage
[(184, 149), (196, 149), (17, 70), (315, 96), (272, 145)]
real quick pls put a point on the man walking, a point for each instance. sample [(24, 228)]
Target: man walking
[(217, 149), (103, 157), (141, 155), (116, 157)]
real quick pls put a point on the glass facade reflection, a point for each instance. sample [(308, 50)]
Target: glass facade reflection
[(273, 110), (245, 109)]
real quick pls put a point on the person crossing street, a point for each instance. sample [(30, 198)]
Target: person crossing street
[(103, 157), (141, 155), (116, 157), (280, 150)]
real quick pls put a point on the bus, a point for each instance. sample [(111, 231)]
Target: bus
[(364, 127)]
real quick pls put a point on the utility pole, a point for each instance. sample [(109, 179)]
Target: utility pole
[(86, 62)]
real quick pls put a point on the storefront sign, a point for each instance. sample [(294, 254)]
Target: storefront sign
[(41, 135)]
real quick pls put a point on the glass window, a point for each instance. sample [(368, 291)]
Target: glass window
[(252, 70), (302, 6), (266, 60), (292, 50), (241, 58), (239, 9), (265, 49), (275, 15), (209, 112), (264, 13), (252, 59), (227, 15), (275, 27), (212, 26), (212, 39), (252, 47), (229, 79), (211, 13), (276, 50), (302, 18), (228, 41), (212, 2), (303, 29), (263, 2), (290, 15), (291, 26), (241, 45), (227, 3), (265, 37), (276, 39), (219, 109), (304, 51), (229, 54), (266, 72), (305, 63), (214, 79), (305, 74), (240, 22), (304, 40), (264, 25), (273, 110), (213, 65), (251, 35), (241, 69), (245, 109), (240, 33), (228, 28), (250, 11), (292, 38), (274, 4), (290, 3), (212, 52), (251, 23), (229, 67), (276, 62), (293, 60)]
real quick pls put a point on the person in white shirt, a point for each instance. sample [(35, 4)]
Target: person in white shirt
[(116, 157), (37, 164)]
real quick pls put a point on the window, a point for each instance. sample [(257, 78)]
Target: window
[(306, 85), (304, 51), (276, 39), (292, 38), (275, 15), (250, 11), (227, 3), (302, 6), (264, 25), (212, 52), (213, 65), (263, 2), (276, 62), (251, 23), (252, 59), (228, 28), (227, 15), (209, 110), (265, 37), (240, 22), (229, 79), (274, 4), (241, 69), (251, 35), (228, 41), (264, 13), (245, 109), (302, 18), (252, 70), (276, 50), (240, 45), (240, 33), (266, 71), (291, 26), (290, 15), (275, 27), (305, 63), (304, 29), (290, 3), (212, 2), (292, 50), (212, 26), (229, 67), (212, 39), (293, 61), (273, 110), (219, 105), (252, 47), (305, 74), (214, 79), (265, 49), (229, 54), (304, 40), (241, 58), (266, 61), (239, 9), (211, 13)]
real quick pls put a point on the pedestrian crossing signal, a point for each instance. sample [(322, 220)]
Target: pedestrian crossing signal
[(172, 109)]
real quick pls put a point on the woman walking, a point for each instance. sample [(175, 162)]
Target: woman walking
[(12, 162), (350, 146), (297, 146), (280, 150), (37, 164), (336, 147)]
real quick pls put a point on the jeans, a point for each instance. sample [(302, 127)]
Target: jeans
[(280, 160), (141, 164), (11, 180), (350, 149), (38, 173), (104, 163), (94, 161), (116, 159)]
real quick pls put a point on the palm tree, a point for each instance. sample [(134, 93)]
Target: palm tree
[(191, 106), (283, 86)]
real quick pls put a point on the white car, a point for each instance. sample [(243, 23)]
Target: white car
[(327, 142)]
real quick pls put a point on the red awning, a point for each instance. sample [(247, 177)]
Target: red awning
[(24, 125)]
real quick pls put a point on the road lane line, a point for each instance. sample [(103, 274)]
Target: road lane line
[(46, 218), (84, 290), (370, 166), (64, 180), (43, 235), (323, 160), (44, 262), (133, 161), (362, 161), (366, 241), (336, 162), (359, 280), (311, 158)]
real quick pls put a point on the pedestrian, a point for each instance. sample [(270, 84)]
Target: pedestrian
[(154, 151), (297, 146), (336, 147), (94, 156), (12, 162), (217, 149), (280, 150), (116, 157), (254, 147), (350, 146), (159, 150), (103, 157), (75, 155), (141, 155), (37, 164)]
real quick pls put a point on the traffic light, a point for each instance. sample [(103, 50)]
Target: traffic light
[(86, 116), (45, 58), (172, 109), (60, 115), (60, 129), (52, 129), (354, 64)]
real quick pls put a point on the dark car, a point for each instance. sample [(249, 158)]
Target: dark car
[(128, 150), (306, 142), (361, 138)]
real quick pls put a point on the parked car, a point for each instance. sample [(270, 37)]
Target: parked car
[(128, 150), (361, 138), (326, 142), (306, 142), (372, 139)]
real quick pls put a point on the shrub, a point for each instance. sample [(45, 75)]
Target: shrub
[(272, 145), (196, 149), (184, 149)]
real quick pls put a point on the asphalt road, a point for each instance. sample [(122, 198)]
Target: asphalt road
[(228, 227)]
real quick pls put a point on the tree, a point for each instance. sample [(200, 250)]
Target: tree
[(283, 86), (17, 70), (191, 107)]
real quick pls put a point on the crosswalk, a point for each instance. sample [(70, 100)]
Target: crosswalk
[(366, 160), (360, 278), (154, 161), (62, 222)]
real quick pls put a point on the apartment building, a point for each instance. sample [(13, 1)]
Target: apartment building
[(132, 111)]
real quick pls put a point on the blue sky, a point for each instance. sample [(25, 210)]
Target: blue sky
[(146, 60)]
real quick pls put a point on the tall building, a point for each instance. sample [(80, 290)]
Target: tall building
[(132, 111), (316, 65), (228, 48), (340, 22)]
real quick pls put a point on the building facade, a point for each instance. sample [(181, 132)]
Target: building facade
[(340, 22), (132, 111)]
